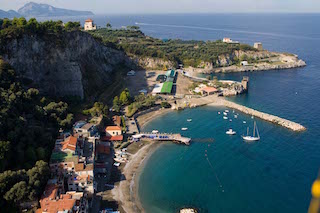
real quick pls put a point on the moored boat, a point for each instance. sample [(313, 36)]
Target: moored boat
[(230, 132), (225, 118), (252, 138), (184, 128)]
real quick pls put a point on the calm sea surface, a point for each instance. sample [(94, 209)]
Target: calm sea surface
[(229, 175)]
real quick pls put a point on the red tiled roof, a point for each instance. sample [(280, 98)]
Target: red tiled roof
[(209, 89), (70, 143), (110, 128), (89, 20)]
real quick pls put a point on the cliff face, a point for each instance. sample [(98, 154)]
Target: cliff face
[(68, 64)]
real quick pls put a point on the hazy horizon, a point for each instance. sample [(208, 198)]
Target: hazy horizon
[(178, 6)]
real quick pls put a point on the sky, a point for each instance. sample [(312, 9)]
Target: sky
[(176, 6)]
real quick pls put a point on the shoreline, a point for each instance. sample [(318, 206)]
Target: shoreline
[(126, 192), (144, 119)]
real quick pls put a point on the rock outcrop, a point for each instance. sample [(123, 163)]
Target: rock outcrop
[(70, 64)]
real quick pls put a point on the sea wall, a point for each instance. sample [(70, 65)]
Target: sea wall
[(264, 116)]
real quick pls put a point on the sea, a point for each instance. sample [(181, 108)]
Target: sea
[(219, 173)]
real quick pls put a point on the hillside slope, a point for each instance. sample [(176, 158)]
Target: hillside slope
[(57, 64)]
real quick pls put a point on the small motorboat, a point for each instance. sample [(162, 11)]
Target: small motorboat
[(225, 113), (184, 128), (230, 132), (235, 116), (155, 131), (189, 120), (233, 111), (219, 113), (244, 122), (225, 118), (230, 120), (252, 117), (226, 110)]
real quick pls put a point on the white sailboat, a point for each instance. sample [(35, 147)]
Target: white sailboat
[(224, 113), (225, 117), (252, 138)]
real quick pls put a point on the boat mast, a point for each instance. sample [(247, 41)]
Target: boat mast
[(254, 128)]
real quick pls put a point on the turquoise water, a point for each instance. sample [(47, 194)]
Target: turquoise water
[(272, 175)]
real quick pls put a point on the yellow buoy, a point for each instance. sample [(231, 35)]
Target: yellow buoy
[(316, 189)]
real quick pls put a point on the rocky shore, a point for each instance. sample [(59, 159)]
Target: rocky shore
[(273, 61)]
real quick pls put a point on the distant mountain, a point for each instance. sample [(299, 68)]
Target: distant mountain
[(44, 10), (9, 14)]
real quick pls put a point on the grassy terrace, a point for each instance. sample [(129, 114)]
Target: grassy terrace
[(190, 53)]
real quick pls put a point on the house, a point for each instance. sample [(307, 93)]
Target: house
[(86, 130), (113, 131), (82, 168), (131, 73), (208, 90), (62, 163), (227, 40), (230, 41), (81, 183), (244, 63), (54, 200), (89, 25), (258, 46), (117, 120), (69, 145)]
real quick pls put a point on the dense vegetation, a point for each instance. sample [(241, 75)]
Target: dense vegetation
[(11, 29), (189, 53), (28, 127)]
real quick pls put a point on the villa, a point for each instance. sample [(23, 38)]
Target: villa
[(89, 25)]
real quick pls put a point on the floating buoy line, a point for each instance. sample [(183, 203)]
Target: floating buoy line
[(216, 175)]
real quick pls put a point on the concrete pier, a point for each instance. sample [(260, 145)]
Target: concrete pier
[(165, 137)]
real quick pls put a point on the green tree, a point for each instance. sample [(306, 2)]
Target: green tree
[(72, 26), (4, 149), (108, 25), (18, 193), (124, 97), (116, 104)]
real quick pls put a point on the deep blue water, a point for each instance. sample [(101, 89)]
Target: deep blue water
[(273, 175)]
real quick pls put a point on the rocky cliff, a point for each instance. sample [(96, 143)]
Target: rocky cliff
[(71, 63)]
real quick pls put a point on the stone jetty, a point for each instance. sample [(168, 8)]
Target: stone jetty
[(220, 101), (264, 116)]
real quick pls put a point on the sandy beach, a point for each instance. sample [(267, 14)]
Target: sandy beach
[(126, 192), (146, 118)]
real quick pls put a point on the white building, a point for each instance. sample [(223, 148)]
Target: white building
[(89, 25), (244, 63), (258, 46)]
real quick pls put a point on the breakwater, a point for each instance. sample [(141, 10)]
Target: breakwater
[(220, 101), (265, 116)]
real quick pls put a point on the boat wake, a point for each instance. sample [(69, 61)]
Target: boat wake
[(227, 30)]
